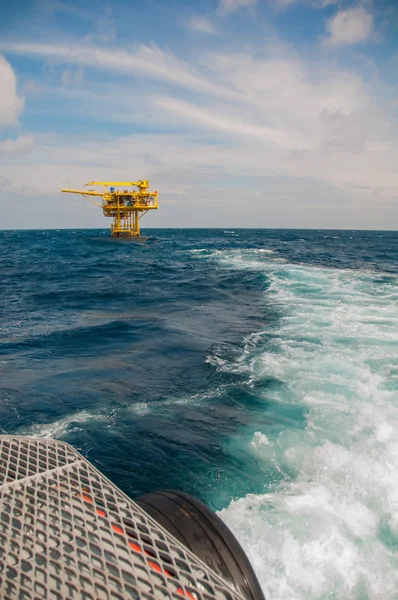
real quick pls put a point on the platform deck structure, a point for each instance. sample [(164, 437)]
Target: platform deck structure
[(124, 204)]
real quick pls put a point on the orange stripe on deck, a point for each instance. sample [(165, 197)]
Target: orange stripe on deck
[(87, 498), (117, 529), (154, 566), (135, 547)]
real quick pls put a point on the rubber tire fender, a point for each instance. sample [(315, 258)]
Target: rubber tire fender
[(200, 530)]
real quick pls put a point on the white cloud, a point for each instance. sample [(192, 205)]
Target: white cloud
[(150, 62), (218, 120), (21, 145), (302, 136), (229, 6), (349, 27), (186, 170), (11, 105), (200, 24), (293, 121)]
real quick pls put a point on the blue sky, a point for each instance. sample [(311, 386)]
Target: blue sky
[(251, 113)]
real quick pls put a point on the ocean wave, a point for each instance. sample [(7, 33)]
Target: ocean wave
[(331, 529), (293, 415), (62, 427), (69, 341)]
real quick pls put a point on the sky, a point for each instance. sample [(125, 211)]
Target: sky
[(242, 113)]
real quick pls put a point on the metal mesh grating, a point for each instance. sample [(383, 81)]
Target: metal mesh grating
[(68, 533)]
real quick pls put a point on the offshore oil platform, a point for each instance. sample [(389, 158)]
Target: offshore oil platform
[(126, 206)]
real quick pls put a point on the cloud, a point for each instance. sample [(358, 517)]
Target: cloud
[(200, 24), (191, 172), (332, 134), (21, 145), (297, 135), (150, 62), (11, 105), (348, 27), (229, 6), (218, 120)]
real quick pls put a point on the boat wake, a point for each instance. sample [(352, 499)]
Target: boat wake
[(329, 527)]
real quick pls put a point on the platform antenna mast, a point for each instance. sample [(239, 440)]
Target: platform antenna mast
[(126, 206)]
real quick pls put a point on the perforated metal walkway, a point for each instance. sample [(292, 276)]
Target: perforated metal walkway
[(68, 533)]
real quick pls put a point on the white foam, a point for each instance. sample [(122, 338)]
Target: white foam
[(330, 531), (140, 408), (259, 440), (59, 428), (145, 408)]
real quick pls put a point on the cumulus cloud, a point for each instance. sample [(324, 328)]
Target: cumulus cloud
[(11, 105), (349, 27), (200, 24)]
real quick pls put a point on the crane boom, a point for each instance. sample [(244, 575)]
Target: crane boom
[(83, 192), (142, 184)]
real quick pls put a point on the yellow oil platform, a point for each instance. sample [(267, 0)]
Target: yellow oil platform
[(126, 206)]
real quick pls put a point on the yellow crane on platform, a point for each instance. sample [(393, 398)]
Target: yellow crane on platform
[(125, 206)]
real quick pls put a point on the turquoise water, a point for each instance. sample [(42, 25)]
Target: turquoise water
[(255, 369)]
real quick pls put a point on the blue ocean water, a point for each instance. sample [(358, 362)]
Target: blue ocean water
[(256, 369)]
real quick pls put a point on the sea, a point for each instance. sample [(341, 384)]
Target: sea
[(255, 369)]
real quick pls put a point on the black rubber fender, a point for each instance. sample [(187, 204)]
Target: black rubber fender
[(200, 530)]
